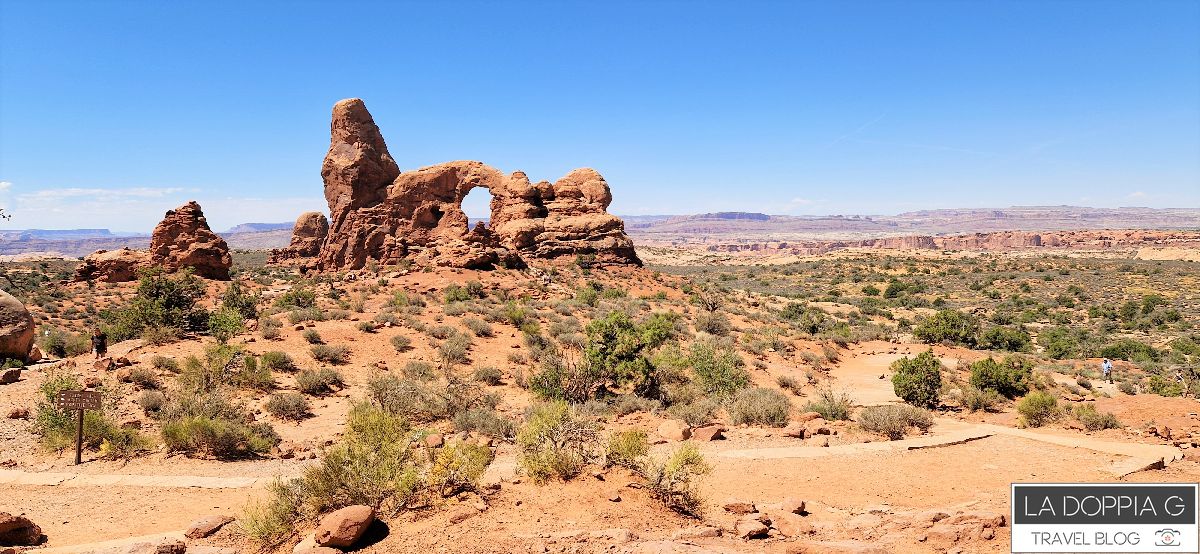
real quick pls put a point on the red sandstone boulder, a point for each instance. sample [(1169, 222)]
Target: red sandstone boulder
[(16, 328), (112, 266), (183, 239), (342, 528), (308, 234)]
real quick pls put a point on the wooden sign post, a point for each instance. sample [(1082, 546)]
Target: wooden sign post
[(79, 400)]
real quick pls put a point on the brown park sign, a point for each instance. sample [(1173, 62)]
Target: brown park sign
[(79, 400)]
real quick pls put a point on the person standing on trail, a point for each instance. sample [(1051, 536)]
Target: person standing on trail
[(1106, 367), (99, 343)]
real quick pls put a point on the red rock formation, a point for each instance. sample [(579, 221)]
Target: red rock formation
[(381, 214), (181, 240), (308, 234)]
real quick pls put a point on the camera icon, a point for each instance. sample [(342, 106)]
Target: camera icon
[(1166, 537)]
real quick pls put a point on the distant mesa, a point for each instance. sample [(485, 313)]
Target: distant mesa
[(257, 228), (737, 216), (380, 214), (181, 240)]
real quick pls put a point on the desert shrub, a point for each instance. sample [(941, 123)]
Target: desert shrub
[(270, 521), (454, 350), (755, 406), (144, 377), (297, 298), (401, 343), (441, 332), (366, 326), (222, 438), (1061, 342), (789, 383), (277, 361), (554, 443), (335, 354), (252, 376), (419, 370), (301, 315), (672, 481), (1005, 338), (288, 405), (486, 422), (617, 349), (457, 468), (918, 380), (1130, 350), (626, 449), (1011, 377), (478, 326), (713, 323), (1127, 387), (1083, 382), (312, 336), (164, 304), (455, 293), (948, 327), (1038, 408), (222, 364), (718, 368), (269, 328), (564, 378), (487, 375), (976, 399), (225, 323), (630, 403), (236, 298), (163, 363), (152, 401), (832, 405), (1162, 386), (696, 412), (894, 420), (62, 344), (318, 382), (1095, 420), (423, 403)]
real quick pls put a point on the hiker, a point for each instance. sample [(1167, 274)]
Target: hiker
[(99, 343), (1106, 367)]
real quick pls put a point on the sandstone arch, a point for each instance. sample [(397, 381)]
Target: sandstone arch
[(382, 214)]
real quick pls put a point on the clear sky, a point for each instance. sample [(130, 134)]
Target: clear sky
[(111, 113)]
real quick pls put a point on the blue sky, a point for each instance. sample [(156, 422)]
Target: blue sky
[(111, 113)]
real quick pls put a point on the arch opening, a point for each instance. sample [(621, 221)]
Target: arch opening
[(477, 205)]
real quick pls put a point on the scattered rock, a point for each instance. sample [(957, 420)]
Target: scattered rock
[(11, 375), (104, 364), (675, 430), (808, 416), (124, 375), (791, 525), (701, 532), (206, 526), (614, 497), (740, 507), (16, 328), (19, 531), (434, 440), (342, 528), (792, 505), (751, 527), (711, 432), (18, 413), (617, 536)]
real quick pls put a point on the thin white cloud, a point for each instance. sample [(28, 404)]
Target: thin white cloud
[(1137, 194), (5, 186)]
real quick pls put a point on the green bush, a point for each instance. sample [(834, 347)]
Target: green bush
[(152, 401), (478, 326), (297, 298), (1005, 338), (948, 327), (695, 412), (455, 293), (1162, 386), (718, 368), (1130, 350), (561, 378), (894, 420), (1011, 377), (163, 363), (318, 382), (401, 343), (755, 406), (918, 380), (1095, 420), (672, 481), (311, 336), (554, 443), (288, 405), (221, 438), (975, 399), (238, 299), (225, 323), (331, 354), (626, 449), (485, 421), (62, 344), (218, 367), (1038, 408), (832, 405), (488, 375), (57, 427), (277, 361), (163, 305), (144, 377), (713, 323)]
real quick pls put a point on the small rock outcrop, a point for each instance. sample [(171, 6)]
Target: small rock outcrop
[(379, 213), (181, 240), (308, 234), (343, 528), (16, 328), (19, 531)]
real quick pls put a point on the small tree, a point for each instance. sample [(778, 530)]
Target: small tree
[(1010, 378), (948, 327), (918, 380)]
